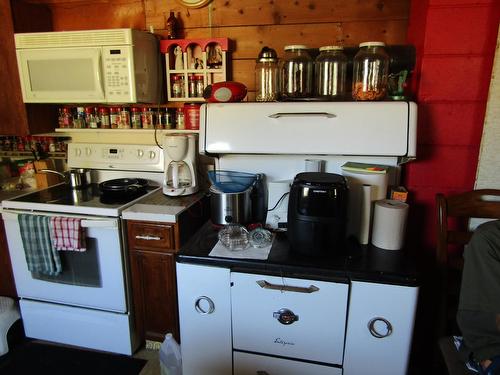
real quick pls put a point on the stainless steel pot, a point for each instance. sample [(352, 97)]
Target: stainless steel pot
[(77, 178), (227, 208)]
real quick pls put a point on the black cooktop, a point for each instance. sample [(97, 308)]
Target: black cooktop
[(91, 195)]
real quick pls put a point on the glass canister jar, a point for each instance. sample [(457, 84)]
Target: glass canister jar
[(370, 72), (296, 73), (267, 76), (330, 73)]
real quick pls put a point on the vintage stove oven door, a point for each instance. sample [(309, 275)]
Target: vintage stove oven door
[(93, 279), (296, 318)]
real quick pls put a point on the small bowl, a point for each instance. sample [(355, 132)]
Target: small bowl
[(234, 237)]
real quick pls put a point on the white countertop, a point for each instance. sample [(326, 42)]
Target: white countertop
[(160, 208)]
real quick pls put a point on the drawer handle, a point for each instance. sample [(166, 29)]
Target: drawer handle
[(285, 316), (147, 238), (302, 114), (201, 309), (373, 330), (286, 288)]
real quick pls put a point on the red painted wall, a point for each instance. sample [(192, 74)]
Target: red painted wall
[(455, 41)]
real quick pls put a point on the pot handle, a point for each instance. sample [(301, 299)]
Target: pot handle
[(52, 171)]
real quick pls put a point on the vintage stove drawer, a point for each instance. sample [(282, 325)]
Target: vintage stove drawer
[(144, 235), (296, 318), (252, 364)]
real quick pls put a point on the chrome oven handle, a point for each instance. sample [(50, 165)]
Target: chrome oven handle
[(147, 237), (373, 329), (287, 288), (302, 114)]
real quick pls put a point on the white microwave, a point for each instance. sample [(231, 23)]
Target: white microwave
[(90, 66)]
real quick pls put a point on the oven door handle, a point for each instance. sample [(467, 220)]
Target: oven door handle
[(287, 288), (99, 223)]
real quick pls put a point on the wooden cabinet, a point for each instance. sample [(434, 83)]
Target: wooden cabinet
[(152, 247), (16, 118), (7, 285)]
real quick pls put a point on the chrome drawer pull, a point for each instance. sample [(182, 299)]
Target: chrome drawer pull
[(373, 330), (285, 316), (302, 114), (203, 310), (286, 288), (147, 238)]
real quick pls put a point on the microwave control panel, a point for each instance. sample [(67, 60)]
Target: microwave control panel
[(118, 73)]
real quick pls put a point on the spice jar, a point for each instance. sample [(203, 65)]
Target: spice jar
[(191, 86), (200, 87), (114, 117), (177, 86), (135, 118), (179, 119), (104, 118), (370, 72), (330, 73), (124, 118), (147, 118), (267, 76), (296, 73), (67, 118)]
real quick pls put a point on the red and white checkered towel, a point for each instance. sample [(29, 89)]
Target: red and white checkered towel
[(67, 233)]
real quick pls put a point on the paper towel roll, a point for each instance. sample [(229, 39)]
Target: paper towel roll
[(389, 224), (379, 181), (365, 214)]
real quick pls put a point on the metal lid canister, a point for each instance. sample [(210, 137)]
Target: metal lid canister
[(371, 69), (192, 116), (330, 73), (296, 73)]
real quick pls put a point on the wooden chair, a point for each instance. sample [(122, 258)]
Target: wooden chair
[(453, 232)]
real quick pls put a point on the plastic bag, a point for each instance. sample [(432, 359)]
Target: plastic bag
[(170, 356)]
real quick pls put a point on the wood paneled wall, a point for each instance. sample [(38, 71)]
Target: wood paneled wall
[(250, 25)]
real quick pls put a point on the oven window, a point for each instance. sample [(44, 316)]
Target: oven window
[(78, 268)]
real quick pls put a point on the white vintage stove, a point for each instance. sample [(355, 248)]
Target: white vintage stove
[(350, 313)]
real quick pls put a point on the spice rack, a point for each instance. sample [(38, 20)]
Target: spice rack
[(202, 61)]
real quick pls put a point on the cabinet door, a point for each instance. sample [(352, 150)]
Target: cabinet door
[(15, 117), (154, 292), (7, 286), (379, 329), (205, 319)]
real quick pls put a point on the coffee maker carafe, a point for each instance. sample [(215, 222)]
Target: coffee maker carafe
[(180, 164)]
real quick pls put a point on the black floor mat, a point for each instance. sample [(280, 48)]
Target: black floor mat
[(31, 357)]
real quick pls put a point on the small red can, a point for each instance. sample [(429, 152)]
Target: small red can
[(192, 116)]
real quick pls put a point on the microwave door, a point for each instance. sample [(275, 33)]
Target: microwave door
[(61, 75)]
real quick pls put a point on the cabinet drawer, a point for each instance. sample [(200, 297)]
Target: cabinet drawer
[(154, 236), (296, 318), (252, 364)]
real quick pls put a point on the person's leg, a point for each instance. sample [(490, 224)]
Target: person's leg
[(478, 314)]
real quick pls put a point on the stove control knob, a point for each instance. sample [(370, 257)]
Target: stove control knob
[(140, 153), (88, 151), (152, 154), (78, 151)]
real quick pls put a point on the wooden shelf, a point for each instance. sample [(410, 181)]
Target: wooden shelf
[(136, 131), (29, 154)]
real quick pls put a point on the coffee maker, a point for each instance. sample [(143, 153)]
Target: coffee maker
[(180, 164)]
